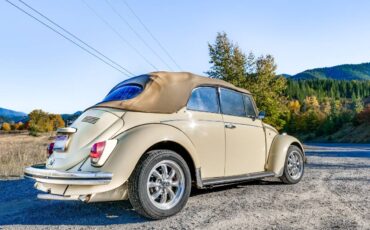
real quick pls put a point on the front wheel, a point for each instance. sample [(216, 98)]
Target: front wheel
[(294, 166), (160, 185)]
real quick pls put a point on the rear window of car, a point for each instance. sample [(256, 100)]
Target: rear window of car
[(232, 103), (124, 92), (204, 99)]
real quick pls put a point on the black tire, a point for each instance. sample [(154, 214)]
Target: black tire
[(286, 177), (137, 184)]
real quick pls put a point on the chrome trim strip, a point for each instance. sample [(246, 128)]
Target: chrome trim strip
[(43, 175), (198, 178), (174, 120), (56, 197), (267, 127), (236, 179), (235, 123), (66, 130), (71, 182)]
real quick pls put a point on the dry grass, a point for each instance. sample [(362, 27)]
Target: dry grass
[(20, 150)]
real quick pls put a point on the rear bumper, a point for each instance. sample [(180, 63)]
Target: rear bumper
[(41, 174)]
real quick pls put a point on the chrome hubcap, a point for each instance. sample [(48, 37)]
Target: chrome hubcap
[(295, 165), (166, 184)]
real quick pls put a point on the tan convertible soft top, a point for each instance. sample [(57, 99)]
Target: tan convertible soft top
[(167, 92)]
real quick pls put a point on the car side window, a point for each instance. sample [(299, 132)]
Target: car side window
[(249, 107), (232, 103), (204, 99)]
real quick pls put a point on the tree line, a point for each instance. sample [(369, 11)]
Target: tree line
[(327, 88), (257, 74), (39, 121), (307, 108)]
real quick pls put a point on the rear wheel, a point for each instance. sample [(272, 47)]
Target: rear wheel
[(160, 185), (294, 166)]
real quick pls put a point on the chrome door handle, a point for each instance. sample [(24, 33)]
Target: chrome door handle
[(230, 126)]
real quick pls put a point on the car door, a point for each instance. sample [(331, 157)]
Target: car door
[(205, 128), (244, 134)]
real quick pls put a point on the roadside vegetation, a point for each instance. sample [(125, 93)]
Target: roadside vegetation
[(312, 109), (24, 144), (39, 122), (20, 150)]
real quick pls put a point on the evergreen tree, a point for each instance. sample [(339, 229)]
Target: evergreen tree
[(228, 61), (257, 75)]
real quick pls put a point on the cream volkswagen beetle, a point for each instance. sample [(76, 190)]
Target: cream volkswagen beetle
[(155, 136)]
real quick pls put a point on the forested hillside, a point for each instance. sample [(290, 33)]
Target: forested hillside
[(339, 72), (327, 88), (320, 108), (329, 110)]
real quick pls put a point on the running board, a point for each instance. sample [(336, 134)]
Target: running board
[(231, 179)]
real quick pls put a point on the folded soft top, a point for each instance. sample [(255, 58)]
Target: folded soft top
[(164, 92)]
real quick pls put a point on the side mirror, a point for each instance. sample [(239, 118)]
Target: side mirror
[(261, 115)]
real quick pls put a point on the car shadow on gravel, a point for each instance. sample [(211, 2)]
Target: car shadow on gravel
[(19, 206), (268, 181)]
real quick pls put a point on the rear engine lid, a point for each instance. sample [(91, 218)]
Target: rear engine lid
[(72, 144)]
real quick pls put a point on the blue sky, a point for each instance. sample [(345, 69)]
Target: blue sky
[(39, 69)]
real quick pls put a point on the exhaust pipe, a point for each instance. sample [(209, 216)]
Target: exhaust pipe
[(84, 198)]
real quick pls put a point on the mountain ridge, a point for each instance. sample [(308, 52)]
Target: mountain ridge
[(11, 115), (339, 72), (8, 115)]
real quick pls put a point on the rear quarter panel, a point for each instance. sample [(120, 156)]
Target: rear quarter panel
[(108, 124), (132, 144)]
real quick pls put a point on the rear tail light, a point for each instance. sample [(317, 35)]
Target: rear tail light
[(50, 148), (96, 151)]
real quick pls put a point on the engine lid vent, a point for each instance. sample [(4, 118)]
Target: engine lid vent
[(90, 119)]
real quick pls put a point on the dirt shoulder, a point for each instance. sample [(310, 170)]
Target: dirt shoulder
[(334, 193), (19, 150), (346, 134)]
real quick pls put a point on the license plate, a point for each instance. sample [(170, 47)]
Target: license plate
[(60, 143)]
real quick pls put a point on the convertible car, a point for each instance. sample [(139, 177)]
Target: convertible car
[(155, 136)]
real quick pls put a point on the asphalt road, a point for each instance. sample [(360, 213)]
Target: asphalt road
[(334, 193)]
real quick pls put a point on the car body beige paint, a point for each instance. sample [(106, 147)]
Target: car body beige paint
[(245, 146), (132, 143), (270, 134), (78, 148), (207, 134), (214, 150), (187, 128), (277, 153)]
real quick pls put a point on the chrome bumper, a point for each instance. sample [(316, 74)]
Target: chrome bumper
[(41, 174)]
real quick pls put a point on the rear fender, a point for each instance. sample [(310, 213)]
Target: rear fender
[(278, 152), (134, 143), (131, 145)]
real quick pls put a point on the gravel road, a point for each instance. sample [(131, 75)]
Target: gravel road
[(334, 193)]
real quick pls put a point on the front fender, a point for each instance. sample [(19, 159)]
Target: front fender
[(278, 152)]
